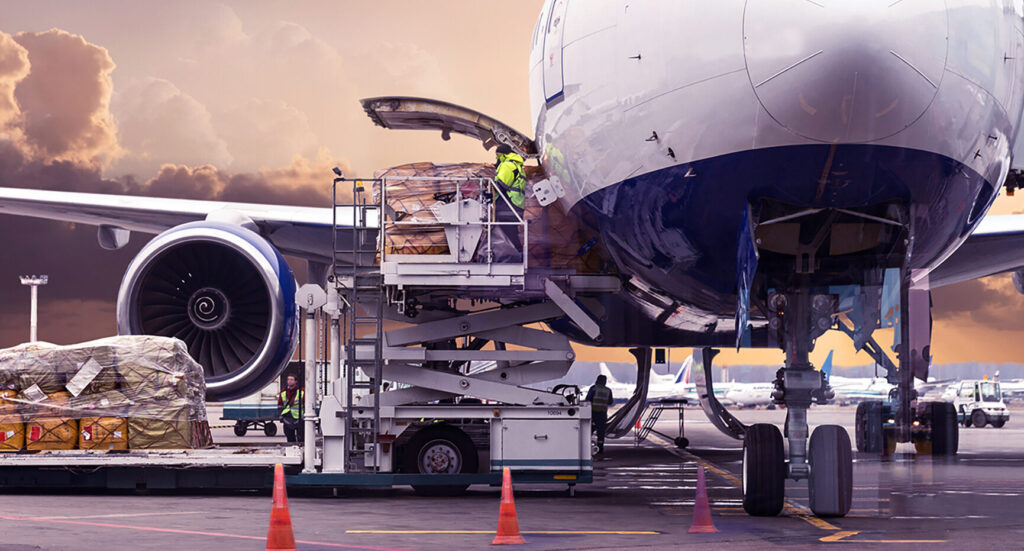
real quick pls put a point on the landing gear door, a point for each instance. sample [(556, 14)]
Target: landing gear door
[(408, 113), (716, 413), (555, 28)]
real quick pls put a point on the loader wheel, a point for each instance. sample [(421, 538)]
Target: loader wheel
[(440, 450), (241, 427)]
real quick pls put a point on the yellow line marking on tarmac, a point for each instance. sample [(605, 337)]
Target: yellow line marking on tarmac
[(840, 537), (789, 508), (556, 532)]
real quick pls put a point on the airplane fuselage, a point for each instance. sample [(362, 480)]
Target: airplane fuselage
[(665, 122)]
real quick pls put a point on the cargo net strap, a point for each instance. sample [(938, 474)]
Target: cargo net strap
[(145, 391)]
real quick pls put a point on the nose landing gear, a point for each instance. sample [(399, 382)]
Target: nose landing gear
[(826, 461)]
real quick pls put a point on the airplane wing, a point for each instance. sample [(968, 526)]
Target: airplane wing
[(996, 246), (300, 231)]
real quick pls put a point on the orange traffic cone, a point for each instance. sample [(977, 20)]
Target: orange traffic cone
[(280, 536), (701, 509), (508, 524)]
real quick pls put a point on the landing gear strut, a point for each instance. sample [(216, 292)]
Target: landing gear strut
[(827, 462)]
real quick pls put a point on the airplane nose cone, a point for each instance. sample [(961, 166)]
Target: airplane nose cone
[(843, 71)]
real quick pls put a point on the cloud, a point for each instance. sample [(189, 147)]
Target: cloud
[(266, 133), (159, 124), (13, 68), (65, 98), (991, 302), (304, 182)]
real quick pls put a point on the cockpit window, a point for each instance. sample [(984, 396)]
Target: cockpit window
[(989, 392)]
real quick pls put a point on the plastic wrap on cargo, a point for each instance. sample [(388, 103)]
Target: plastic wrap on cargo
[(556, 240), (12, 430), (411, 201), (115, 393)]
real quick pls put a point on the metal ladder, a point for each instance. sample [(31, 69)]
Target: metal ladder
[(655, 410), (359, 279), (648, 424)]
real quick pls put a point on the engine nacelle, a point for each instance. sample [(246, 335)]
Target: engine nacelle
[(1018, 280), (223, 290)]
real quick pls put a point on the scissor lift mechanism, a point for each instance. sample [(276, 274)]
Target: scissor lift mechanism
[(367, 433)]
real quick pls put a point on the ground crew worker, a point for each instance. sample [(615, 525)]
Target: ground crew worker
[(600, 398), (511, 180), (290, 403)]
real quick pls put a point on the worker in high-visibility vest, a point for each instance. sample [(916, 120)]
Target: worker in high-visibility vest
[(600, 398), (290, 404), (510, 179)]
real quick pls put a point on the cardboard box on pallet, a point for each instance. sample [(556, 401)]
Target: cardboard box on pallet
[(49, 425), (117, 393), (12, 429)]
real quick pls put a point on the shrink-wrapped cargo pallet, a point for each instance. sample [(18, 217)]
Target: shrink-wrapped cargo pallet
[(411, 199), (111, 394), (556, 240)]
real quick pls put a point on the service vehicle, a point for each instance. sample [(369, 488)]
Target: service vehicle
[(980, 403)]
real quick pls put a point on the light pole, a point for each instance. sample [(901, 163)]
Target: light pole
[(34, 282)]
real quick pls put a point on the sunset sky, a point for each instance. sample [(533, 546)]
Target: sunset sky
[(256, 101)]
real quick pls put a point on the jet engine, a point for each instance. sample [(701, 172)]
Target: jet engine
[(223, 290)]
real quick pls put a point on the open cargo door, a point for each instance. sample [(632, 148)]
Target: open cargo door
[(404, 113)]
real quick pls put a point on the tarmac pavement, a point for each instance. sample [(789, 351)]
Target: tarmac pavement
[(642, 498)]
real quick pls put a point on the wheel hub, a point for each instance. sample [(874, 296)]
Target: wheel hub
[(441, 458)]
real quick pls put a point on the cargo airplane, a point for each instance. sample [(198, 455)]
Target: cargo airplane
[(748, 169)]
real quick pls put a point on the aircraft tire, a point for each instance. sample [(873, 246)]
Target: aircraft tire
[(869, 433), (764, 471), (945, 433), (858, 427), (830, 483)]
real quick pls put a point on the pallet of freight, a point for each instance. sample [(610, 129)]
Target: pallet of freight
[(412, 190), (129, 392)]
